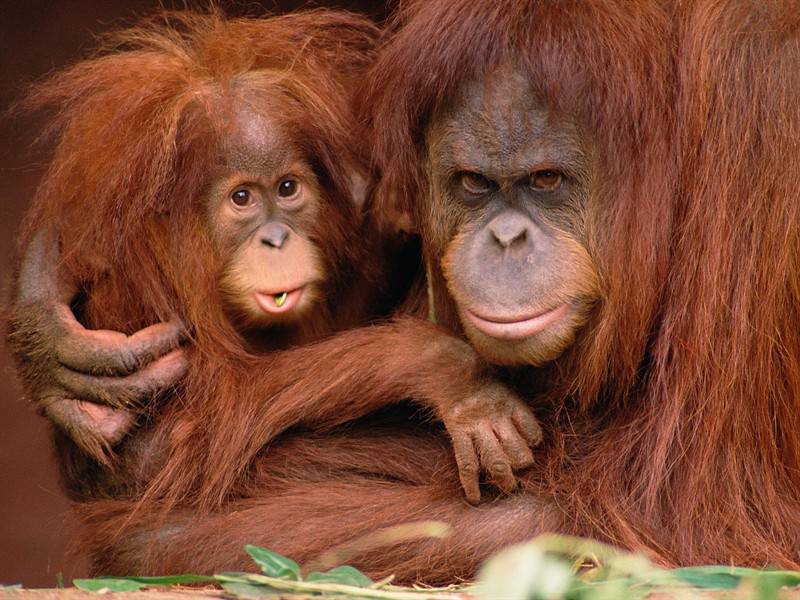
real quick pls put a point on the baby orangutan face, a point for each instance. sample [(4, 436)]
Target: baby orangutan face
[(261, 206)]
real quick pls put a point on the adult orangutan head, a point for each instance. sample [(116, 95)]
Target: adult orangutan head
[(536, 162), (516, 180)]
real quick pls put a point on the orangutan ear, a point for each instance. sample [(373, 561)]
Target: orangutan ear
[(397, 218), (395, 215), (382, 204)]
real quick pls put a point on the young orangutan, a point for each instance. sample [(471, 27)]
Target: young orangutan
[(210, 169)]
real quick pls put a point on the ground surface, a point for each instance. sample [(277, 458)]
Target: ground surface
[(210, 594), (74, 594)]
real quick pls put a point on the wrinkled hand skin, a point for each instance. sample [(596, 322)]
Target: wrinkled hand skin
[(492, 431), (92, 384)]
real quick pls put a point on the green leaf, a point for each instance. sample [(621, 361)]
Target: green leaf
[(248, 590), (786, 578), (183, 579), (108, 583), (613, 589), (132, 584), (767, 589), (768, 583), (273, 564), (345, 575), (728, 578), (711, 578)]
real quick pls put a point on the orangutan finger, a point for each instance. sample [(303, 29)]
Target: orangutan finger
[(468, 466), (131, 390), (39, 280), (527, 425), (494, 459), (94, 427), (514, 445), (104, 352)]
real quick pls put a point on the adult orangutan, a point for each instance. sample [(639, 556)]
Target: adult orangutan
[(665, 241), (210, 169), (624, 178)]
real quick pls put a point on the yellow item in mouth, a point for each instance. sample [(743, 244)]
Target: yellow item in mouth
[(280, 299)]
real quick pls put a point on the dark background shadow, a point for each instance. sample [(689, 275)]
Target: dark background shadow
[(37, 36)]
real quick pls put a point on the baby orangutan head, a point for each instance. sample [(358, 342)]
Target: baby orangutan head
[(273, 214), (261, 209)]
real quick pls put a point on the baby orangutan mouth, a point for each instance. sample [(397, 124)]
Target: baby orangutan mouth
[(279, 302)]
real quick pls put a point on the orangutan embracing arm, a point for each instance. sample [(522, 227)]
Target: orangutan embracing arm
[(63, 364)]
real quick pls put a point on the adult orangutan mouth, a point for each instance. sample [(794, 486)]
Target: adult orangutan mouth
[(514, 328), (279, 301)]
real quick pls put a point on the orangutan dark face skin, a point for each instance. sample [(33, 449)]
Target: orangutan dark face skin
[(513, 181), (261, 204)]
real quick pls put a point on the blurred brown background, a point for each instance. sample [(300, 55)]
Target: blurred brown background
[(37, 36)]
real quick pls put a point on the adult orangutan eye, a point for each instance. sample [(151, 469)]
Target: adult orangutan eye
[(288, 188), (546, 180), (475, 183), (242, 198)]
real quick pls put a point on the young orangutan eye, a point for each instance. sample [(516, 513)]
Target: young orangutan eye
[(546, 180), (288, 188), (475, 183), (242, 198)]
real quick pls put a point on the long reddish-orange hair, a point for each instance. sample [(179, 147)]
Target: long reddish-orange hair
[(675, 417)]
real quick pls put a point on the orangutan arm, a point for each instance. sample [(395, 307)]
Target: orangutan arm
[(90, 384), (358, 371)]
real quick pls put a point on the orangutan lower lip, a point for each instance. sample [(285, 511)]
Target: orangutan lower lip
[(515, 329), (280, 301)]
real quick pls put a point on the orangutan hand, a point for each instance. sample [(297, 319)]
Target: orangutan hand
[(90, 384), (492, 430)]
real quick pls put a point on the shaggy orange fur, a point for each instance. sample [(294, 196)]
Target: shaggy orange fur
[(672, 423)]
